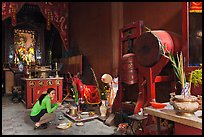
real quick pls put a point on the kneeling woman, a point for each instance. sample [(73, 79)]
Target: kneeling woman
[(42, 111)]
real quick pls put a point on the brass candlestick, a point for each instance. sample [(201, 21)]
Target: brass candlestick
[(56, 70), (30, 76)]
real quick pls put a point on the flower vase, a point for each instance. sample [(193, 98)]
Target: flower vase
[(103, 108), (20, 66)]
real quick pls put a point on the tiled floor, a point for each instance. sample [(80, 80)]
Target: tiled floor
[(15, 121)]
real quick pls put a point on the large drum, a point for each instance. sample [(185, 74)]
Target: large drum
[(129, 71), (148, 48)]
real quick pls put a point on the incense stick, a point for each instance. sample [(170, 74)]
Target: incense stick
[(95, 78), (67, 93), (65, 97), (182, 72)]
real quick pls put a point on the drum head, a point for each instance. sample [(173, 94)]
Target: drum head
[(147, 49)]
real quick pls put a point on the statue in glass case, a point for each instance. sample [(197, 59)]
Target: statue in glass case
[(24, 49)]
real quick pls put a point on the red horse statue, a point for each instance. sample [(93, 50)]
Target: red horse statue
[(89, 93)]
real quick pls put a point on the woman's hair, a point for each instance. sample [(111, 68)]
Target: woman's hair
[(43, 95)]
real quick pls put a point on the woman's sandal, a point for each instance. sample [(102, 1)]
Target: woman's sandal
[(42, 126), (36, 127)]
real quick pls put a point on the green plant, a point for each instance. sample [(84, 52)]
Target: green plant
[(178, 67), (195, 78), (103, 94), (74, 89)]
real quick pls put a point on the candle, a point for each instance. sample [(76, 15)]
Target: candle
[(56, 65), (56, 70)]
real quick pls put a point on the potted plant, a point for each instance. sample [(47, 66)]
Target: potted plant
[(74, 89), (195, 78), (103, 92), (184, 104)]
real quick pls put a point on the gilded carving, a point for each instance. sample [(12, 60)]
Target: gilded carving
[(49, 82), (57, 82), (31, 83), (41, 83)]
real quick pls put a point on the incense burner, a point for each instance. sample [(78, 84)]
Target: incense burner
[(184, 105)]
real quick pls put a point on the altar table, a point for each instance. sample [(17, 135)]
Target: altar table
[(183, 125), (32, 88)]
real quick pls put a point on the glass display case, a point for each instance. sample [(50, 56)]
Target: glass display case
[(24, 43), (192, 34), (192, 39)]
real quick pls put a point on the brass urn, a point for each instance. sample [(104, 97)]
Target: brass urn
[(73, 111), (184, 105), (43, 71)]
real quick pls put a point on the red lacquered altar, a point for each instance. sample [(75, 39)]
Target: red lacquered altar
[(33, 88)]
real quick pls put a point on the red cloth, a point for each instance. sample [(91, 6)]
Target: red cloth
[(196, 7), (91, 94), (58, 15), (88, 92)]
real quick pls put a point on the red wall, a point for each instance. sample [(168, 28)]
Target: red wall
[(156, 15), (91, 27), (90, 31)]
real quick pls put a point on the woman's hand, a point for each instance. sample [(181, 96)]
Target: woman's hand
[(59, 103)]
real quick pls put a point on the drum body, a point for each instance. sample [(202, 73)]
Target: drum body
[(148, 48), (129, 71)]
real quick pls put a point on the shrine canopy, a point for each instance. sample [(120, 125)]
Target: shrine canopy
[(54, 12)]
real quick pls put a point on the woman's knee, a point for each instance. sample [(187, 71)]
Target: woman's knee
[(50, 116)]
